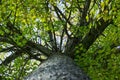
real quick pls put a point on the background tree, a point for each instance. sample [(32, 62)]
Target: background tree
[(85, 30)]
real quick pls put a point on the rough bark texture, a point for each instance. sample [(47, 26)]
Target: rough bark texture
[(58, 67)]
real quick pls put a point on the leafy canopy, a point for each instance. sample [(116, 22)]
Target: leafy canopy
[(85, 30)]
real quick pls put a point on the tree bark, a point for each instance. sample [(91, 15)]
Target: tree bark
[(58, 67)]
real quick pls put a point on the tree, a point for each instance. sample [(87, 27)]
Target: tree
[(31, 29)]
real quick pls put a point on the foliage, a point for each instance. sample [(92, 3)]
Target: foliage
[(86, 30), (102, 59)]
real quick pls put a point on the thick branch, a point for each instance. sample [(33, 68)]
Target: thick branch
[(18, 53), (94, 33), (40, 48), (12, 57), (90, 37)]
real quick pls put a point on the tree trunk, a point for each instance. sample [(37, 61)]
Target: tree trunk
[(58, 67)]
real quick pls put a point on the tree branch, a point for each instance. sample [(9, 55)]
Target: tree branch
[(7, 40), (61, 40), (66, 19), (19, 52), (89, 38), (94, 33), (84, 13), (40, 48), (58, 10), (53, 40), (12, 57), (8, 49)]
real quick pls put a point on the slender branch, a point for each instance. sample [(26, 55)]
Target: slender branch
[(52, 40), (65, 26), (84, 13), (69, 16), (7, 40), (58, 10), (58, 14), (55, 40), (67, 20), (66, 31), (12, 28), (80, 9), (8, 49), (61, 40)]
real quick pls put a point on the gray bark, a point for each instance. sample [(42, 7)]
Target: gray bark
[(58, 67)]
